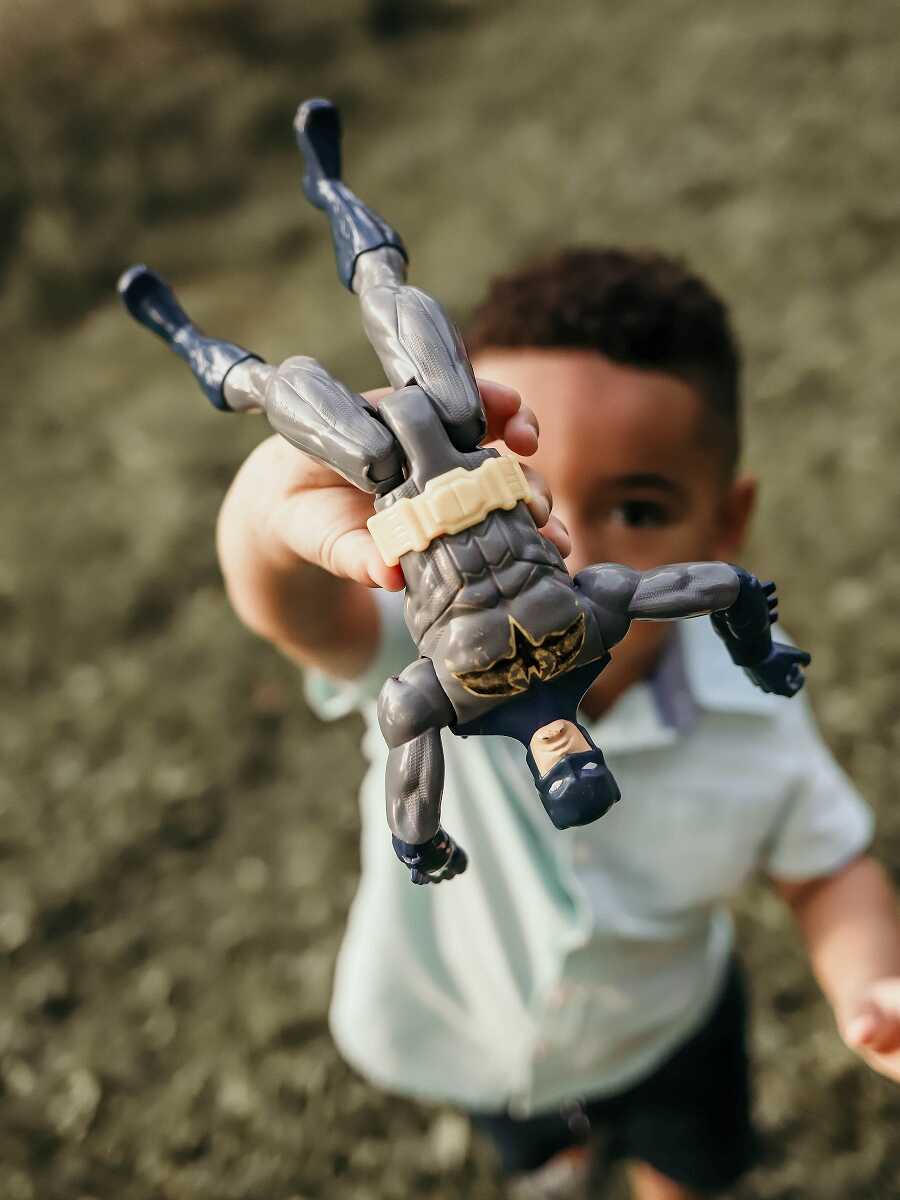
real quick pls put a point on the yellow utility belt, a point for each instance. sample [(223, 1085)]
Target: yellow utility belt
[(450, 503)]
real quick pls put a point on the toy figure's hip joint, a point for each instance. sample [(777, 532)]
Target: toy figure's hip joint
[(449, 503)]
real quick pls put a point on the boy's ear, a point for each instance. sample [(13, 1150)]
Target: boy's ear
[(736, 511)]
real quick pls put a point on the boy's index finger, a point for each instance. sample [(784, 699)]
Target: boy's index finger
[(521, 432), (508, 419), (499, 397), (500, 403)]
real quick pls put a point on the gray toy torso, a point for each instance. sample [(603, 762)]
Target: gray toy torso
[(492, 607)]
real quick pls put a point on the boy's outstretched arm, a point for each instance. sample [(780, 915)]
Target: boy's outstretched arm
[(295, 561), (851, 926)]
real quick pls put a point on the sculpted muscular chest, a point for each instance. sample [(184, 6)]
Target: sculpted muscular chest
[(492, 605)]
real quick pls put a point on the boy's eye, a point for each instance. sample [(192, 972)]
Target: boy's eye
[(641, 514)]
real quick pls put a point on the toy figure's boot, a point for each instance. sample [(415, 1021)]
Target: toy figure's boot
[(355, 228), (152, 302), (433, 861), (577, 790)]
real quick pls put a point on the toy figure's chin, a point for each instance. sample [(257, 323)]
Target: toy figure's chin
[(553, 741)]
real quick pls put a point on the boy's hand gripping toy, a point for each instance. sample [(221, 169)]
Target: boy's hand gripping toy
[(508, 641)]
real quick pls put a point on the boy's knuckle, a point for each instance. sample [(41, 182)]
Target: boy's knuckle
[(328, 550)]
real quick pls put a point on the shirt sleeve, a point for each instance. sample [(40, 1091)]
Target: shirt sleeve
[(332, 698), (824, 822)]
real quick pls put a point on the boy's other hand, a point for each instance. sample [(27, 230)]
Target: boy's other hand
[(294, 508), (873, 1030), (851, 926)]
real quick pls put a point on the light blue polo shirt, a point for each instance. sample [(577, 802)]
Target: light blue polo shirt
[(566, 965)]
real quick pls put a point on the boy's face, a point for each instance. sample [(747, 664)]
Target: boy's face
[(635, 471)]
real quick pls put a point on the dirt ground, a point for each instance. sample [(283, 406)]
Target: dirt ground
[(178, 834)]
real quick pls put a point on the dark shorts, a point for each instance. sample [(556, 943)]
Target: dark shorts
[(690, 1119)]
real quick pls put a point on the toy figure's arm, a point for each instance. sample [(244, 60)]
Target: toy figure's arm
[(682, 590), (741, 609), (745, 628), (621, 593)]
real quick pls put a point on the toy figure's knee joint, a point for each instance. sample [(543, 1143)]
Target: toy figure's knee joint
[(385, 266), (412, 703)]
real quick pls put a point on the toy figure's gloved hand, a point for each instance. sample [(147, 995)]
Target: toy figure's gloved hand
[(433, 861), (781, 671), (745, 628)]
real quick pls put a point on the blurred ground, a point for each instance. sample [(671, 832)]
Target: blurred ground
[(178, 834)]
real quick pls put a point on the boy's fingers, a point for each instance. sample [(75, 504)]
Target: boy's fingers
[(383, 576), (541, 501), (347, 550), (499, 398), (355, 556), (508, 419), (346, 547), (540, 507), (874, 1029), (521, 432), (860, 1029), (554, 531)]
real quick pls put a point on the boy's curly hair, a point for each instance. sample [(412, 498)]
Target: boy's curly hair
[(638, 307)]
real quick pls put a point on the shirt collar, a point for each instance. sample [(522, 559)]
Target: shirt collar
[(694, 675)]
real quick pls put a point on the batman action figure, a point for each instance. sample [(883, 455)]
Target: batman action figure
[(508, 641)]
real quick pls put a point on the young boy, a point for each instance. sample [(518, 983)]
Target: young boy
[(584, 977)]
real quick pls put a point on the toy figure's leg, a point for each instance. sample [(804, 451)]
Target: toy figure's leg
[(572, 779), (355, 228), (412, 709), (333, 425), (410, 332), (416, 342)]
